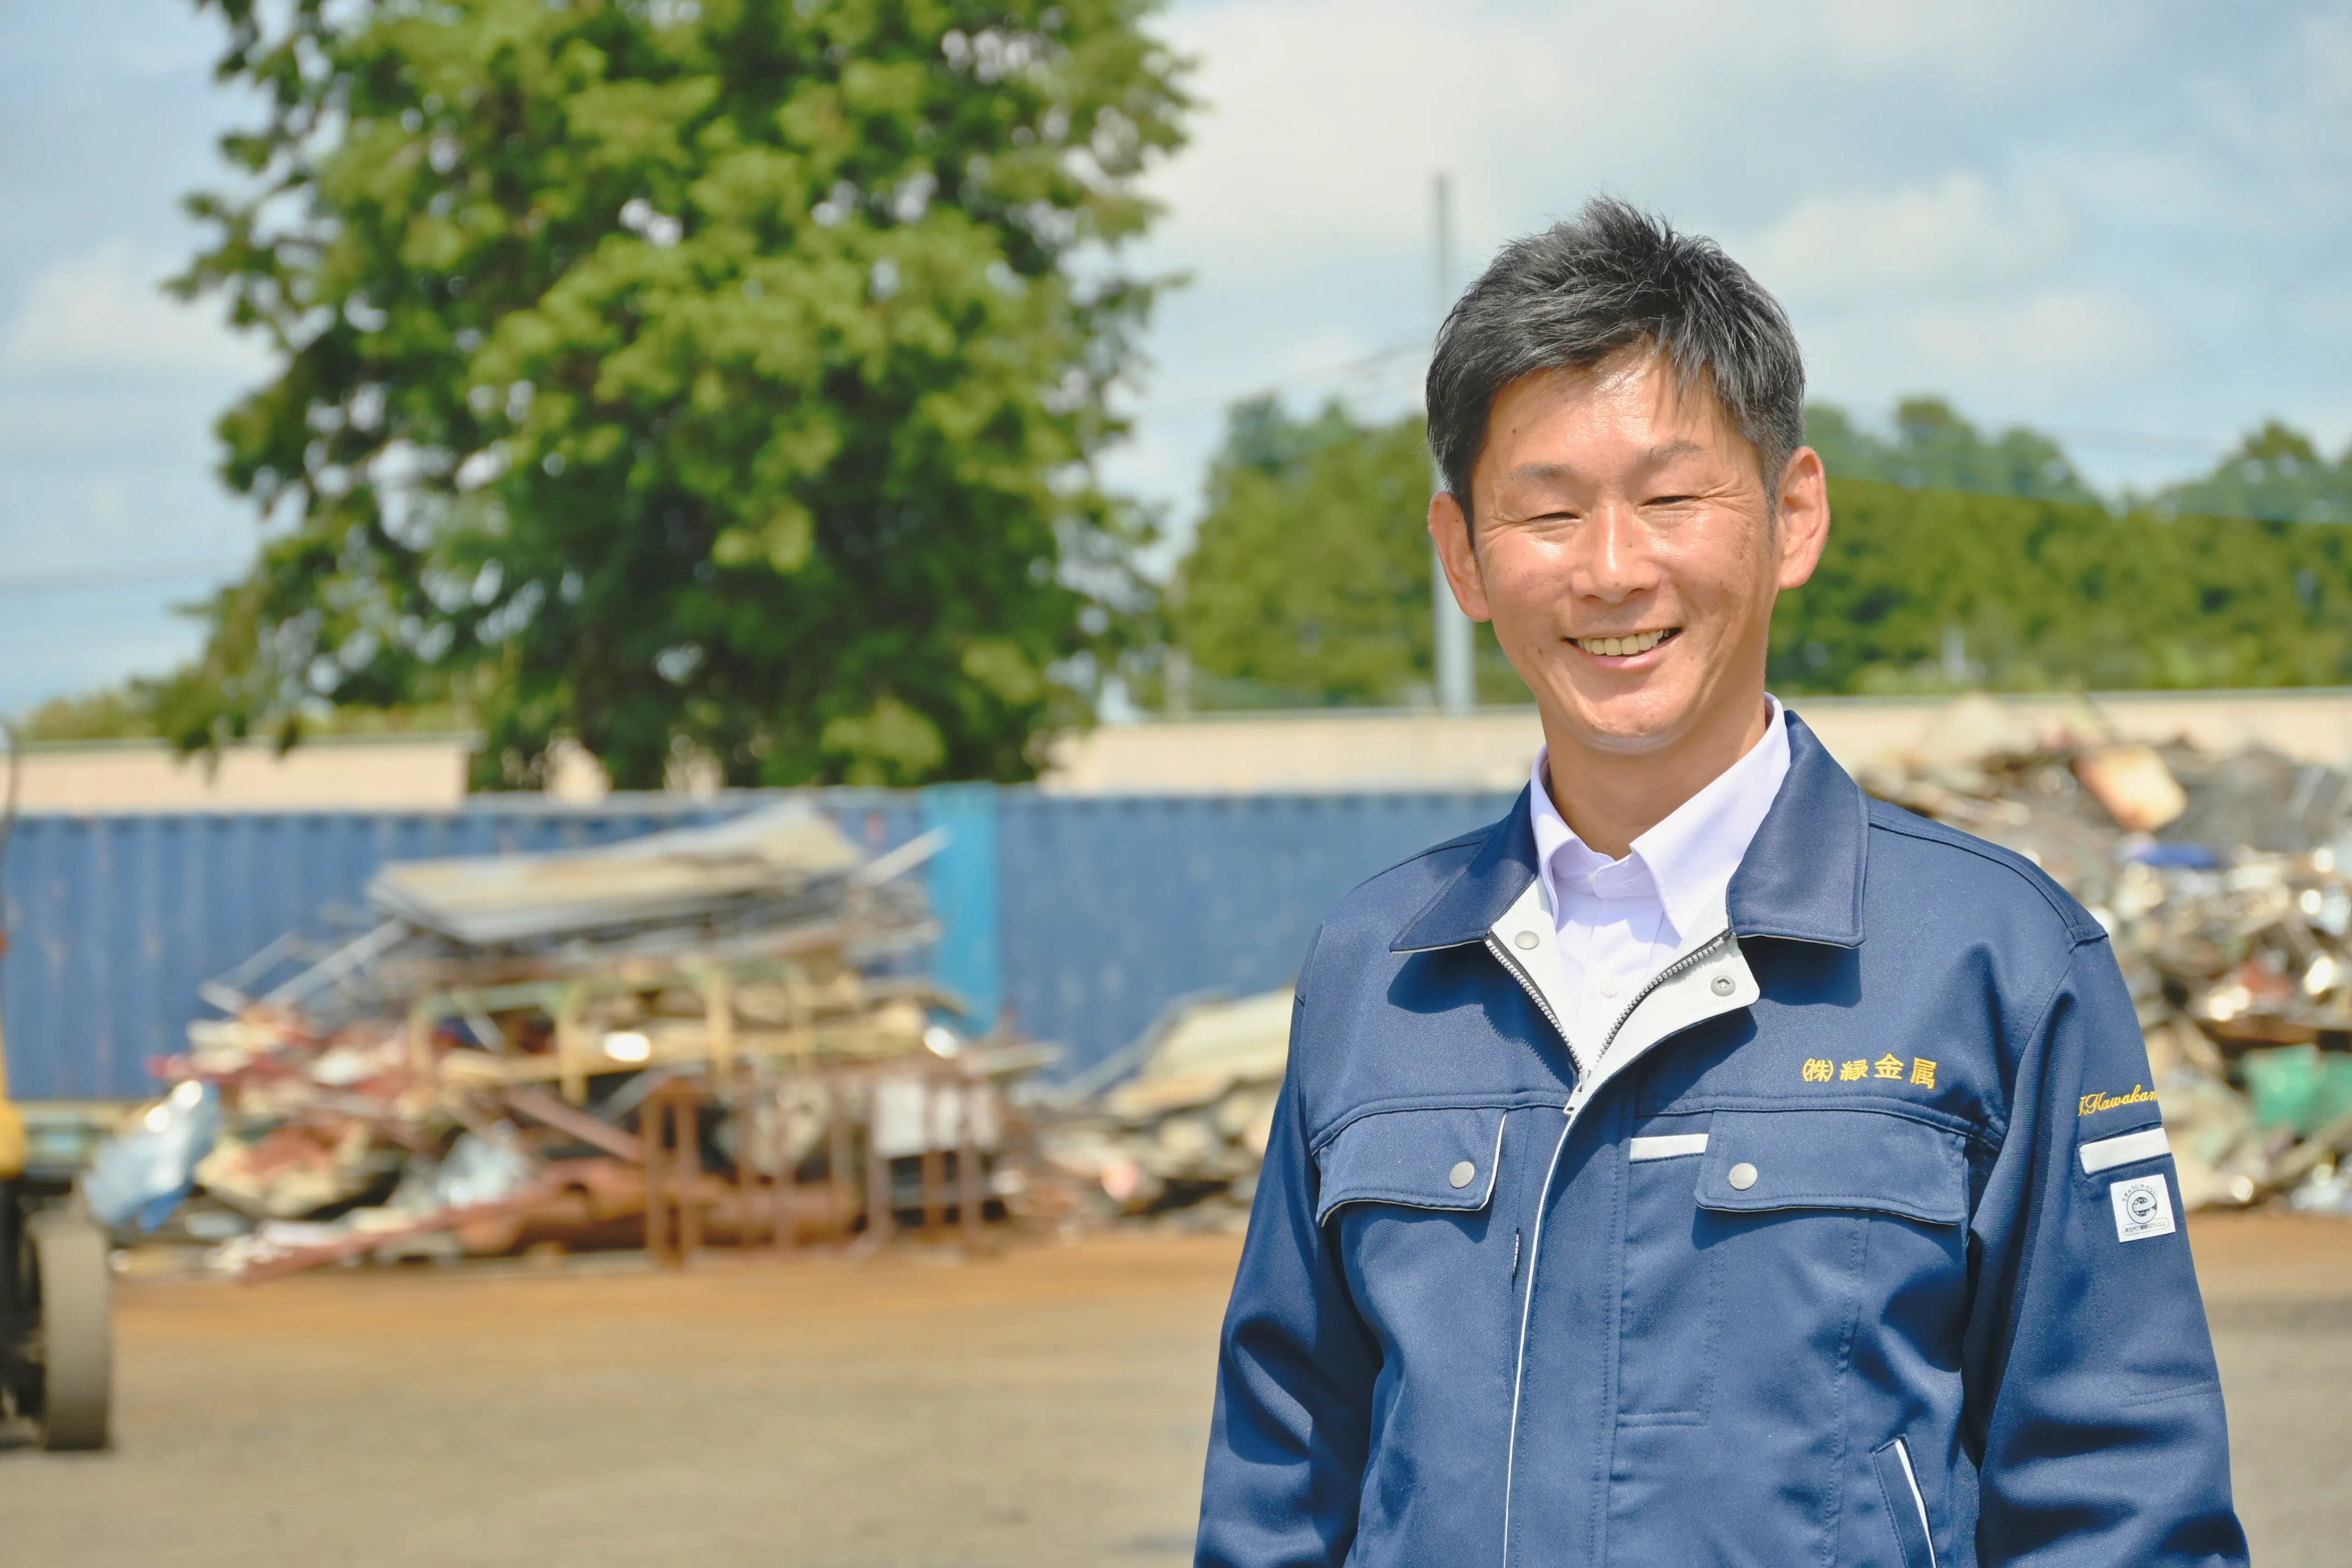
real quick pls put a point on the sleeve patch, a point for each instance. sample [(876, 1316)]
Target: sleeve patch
[(2107, 1153), (2143, 1207)]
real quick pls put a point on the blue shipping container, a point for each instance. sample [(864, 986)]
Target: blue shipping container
[(1083, 915)]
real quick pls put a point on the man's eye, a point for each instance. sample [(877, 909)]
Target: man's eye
[(1670, 501)]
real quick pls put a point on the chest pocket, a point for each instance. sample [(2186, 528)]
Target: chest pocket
[(1438, 1159), (1760, 1161), (1767, 1210)]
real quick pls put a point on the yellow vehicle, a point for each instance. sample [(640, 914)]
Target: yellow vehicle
[(56, 1329)]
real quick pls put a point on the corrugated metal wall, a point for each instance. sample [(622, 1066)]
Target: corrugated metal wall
[(1111, 906), (114, 921), (1083, 914)]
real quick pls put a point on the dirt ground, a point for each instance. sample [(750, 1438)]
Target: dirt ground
[(1041, 1408)]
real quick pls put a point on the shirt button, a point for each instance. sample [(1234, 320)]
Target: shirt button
[(1526, 939), (1741, 1176), (1460, 1176), (1609, 985)]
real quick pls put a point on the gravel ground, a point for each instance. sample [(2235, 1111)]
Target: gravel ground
[(1042, 1408)]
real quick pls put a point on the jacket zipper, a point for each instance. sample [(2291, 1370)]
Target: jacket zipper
[(1535, 994), (1685, 962), (1585, 1082)]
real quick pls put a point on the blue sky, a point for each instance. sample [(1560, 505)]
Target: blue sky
[(2127, 224)]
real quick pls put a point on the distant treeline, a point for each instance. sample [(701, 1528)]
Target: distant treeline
[(1956, 559), (1930, 590)]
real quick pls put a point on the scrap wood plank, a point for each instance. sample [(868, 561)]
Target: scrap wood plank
[(592, 1131), (293, 1260)]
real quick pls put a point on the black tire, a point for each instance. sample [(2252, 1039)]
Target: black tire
[(77, 1336)]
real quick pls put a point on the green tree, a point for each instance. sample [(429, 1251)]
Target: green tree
[(1308, 581), (1932, 448), (2043, 594), (715, 377), (2275, 475)]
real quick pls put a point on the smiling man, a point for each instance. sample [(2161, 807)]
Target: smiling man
[(1694, 1166)]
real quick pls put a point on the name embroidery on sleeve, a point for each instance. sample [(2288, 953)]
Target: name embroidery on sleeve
[(2091, 1104)]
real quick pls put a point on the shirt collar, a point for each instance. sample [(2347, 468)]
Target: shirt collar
[(1687, 861)]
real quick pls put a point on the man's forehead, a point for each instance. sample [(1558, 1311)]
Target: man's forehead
[(1671, 420), (1637, 375)]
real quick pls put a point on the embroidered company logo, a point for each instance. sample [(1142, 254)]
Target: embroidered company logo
[(2092, 1104), (1890, 1067)]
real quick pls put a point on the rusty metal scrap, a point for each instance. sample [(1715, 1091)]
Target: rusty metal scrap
[(692, 1035), (2225, 882)]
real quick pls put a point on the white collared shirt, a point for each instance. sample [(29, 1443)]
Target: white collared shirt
[(1619, 921)]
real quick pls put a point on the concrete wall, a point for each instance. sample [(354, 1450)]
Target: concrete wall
[(424, 773), (1371, 749), (1332, 750)]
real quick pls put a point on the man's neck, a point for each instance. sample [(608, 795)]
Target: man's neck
[(1612, 797)]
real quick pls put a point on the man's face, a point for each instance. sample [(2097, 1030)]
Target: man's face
[(1626, 552)]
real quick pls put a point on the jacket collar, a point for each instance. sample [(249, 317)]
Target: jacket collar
[(1468, 906), (1800, 878)]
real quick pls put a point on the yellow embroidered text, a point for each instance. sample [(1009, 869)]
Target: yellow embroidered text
[(2095, 1103)]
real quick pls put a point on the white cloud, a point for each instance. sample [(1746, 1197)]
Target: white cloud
[(1961, 233), (1995, 354), (2069, 212), (103, 313)]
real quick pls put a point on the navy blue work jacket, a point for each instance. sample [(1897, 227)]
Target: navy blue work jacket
[(1856, 1242)]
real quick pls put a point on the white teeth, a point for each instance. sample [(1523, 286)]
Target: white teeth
[(1620, 647)]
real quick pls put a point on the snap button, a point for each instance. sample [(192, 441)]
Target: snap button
[(1742, 1176), (1526, 939), (1460, 1175), (1723, 984)]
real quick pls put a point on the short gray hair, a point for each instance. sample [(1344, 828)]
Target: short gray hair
[(1608, 278)]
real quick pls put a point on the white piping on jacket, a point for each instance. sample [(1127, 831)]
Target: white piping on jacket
[(2123, 1148), (1588, 1079), (1903, 1452), (1669, 1146)]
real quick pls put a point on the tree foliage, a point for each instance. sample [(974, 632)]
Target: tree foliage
[(1308, 583), (712, 378), (2275, 475), (2053, 595), (1931, 448)]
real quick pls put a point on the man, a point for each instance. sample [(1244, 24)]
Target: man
[(1695, 1166)]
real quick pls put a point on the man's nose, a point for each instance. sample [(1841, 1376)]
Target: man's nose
[(1617, 563)]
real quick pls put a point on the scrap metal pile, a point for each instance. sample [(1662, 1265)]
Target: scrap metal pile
[(2226, 882), (1187, 1119), (696, 1030)]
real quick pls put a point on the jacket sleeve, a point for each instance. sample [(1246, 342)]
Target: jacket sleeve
[(2094, 1401), (1296, 1367)]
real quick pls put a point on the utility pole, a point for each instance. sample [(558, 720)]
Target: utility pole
[(1453, 632)]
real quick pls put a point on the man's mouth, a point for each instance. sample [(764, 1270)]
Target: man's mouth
[(1625, 646)]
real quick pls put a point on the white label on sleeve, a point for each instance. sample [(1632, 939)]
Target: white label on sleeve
[(2143, 1209)]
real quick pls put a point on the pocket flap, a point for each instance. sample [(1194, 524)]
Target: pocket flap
[(1442, 1159), (1761, 1159)]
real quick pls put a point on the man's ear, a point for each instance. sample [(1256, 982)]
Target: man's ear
[(1449, 528), (1803, 525)]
